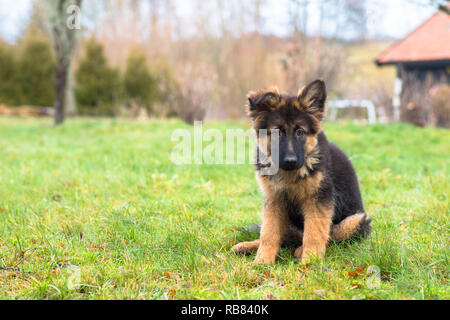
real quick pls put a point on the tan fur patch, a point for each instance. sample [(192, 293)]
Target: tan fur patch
[(301, 191), (311, 142), (285, 180), (311, 159), (309, 186), (317, 229)]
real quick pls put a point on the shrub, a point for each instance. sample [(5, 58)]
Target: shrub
[(9, 89), (36, 73), (169, 93), (97, 87), (139, 84)]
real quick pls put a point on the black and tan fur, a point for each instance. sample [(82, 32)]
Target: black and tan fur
[(314, 197)]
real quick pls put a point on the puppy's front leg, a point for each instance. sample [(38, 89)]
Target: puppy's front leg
[(318, 219), (272, 230)]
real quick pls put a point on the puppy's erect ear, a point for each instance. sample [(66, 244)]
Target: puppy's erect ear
[(312, 98), (262, 100)]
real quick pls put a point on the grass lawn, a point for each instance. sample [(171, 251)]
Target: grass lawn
[(104, 196)]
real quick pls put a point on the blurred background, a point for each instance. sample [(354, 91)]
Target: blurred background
[(382, 60)]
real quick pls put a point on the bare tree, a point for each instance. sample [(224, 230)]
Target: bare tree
[(63, 19)]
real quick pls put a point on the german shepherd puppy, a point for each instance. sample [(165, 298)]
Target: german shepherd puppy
[(314, 197)]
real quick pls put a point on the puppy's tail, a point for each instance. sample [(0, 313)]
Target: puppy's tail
[(357, 224)]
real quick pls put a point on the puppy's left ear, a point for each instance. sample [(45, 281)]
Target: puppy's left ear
[(262, 101), (312, 98)]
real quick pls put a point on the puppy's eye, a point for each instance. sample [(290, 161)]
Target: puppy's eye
[(300, 132)]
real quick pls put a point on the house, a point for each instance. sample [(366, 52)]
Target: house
[(422, 59)]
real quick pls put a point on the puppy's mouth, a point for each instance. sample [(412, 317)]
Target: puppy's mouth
[(291, 167)]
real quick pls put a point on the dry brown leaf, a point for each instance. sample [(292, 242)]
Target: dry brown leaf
[(353, 274), (170, 275), (360, 269)]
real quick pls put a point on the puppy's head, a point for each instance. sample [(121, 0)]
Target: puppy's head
[(294, 120)]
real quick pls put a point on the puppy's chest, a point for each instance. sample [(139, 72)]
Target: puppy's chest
[(293, 196), (293, 207)]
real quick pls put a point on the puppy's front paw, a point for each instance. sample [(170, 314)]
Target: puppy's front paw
[(265, 260), (265, 256), (246, 248), (308, 255)]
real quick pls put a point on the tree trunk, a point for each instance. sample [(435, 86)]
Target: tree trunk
[(63, 21), (71, 107), (60, 91)]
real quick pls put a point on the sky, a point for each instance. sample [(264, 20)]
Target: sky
[(387, 18)]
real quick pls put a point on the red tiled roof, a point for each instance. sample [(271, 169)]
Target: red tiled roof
[(430, 41)]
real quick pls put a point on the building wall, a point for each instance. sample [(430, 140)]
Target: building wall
[(417, 85)]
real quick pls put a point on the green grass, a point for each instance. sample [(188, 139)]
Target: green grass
[(103, 195)]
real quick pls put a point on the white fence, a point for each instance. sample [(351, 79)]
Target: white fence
[(334, 106)]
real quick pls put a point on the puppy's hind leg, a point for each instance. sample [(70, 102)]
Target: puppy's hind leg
[(357, 224)]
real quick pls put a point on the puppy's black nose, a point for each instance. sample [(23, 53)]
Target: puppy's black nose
[(290, 160)]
